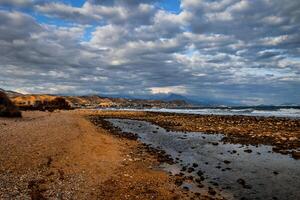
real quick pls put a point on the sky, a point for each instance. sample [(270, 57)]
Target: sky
[(239, 51)]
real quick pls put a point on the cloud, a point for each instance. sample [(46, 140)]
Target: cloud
[(99, 13), (237, 50), (168, 90), (17, 3)]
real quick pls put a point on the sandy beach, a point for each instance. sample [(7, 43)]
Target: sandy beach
[(61, 155)]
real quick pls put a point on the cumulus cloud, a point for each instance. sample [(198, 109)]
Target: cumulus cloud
[(169, 90), (235, 50)]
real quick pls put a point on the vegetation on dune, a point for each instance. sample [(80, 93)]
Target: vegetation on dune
[(48, 104), (7, 108)]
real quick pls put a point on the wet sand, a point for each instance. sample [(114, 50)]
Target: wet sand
[(61, 155)]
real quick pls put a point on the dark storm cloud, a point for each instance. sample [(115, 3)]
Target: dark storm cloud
[(242, 51)]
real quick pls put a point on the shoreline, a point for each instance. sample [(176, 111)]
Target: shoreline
[(281, 133), (76, 154)]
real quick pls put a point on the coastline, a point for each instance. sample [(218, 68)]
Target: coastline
[(76, 154), (281, 133)]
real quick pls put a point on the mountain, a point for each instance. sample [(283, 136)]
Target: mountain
[(178, 97), (195, 101)]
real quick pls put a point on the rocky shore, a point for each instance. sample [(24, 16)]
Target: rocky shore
[(205, 162), (281, 133)]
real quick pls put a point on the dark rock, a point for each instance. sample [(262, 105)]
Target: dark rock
[(248, 150), (198, 180), (275, 173), (200, 173), (178, 181), (186, 188), (227, 162), (211, 191), (214, 183), (190, 169), (241, 181)]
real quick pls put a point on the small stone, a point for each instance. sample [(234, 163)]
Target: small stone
[(248, 151), (200, 173), (275, 173), (190, 170), (227, 162), (241, 181), (211, 191)]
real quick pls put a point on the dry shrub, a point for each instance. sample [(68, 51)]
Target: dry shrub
[(7, 108)]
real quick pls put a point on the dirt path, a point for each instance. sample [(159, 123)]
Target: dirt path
[(63, 156)]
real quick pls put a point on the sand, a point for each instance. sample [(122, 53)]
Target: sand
[(61, 155)]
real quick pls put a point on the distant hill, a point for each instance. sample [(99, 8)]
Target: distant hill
[(93, 101), (195, 101), (10, 94)]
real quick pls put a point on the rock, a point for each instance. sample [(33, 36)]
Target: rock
[(190, 170), (186, 188), (211, 191), (227, 162), (178, 181), (200, 173), (241, 181), (275, 173), (198, 180), (195, 165), (248, 150), (296, 154)]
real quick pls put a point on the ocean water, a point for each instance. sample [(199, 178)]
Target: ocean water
[(279, 112)]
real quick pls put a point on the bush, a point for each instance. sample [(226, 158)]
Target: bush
[(7, 108), (57, 103)]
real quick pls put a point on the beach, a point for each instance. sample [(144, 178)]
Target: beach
[(81, 155), (61, 155)]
